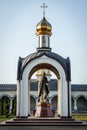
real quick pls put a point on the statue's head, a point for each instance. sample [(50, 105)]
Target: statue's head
[(44, 74)]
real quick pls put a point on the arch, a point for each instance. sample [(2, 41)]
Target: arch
[(82, 103), (5, 105), (5, 95), (81, 95), (65, 63), (44, 62), (54, 95), (14, 96), (44, 66), (63, 103), (72, 97), (33, 96)]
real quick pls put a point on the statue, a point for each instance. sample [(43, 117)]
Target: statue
[(43, 108), (43, 89)]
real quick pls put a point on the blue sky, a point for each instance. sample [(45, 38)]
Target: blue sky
[(18, 19)]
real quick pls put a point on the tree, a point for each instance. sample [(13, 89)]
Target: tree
[(14, 107), (6, 109)]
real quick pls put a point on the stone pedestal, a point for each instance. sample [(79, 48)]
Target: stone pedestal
[(43, 110)]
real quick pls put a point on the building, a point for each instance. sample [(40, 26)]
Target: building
[(78, 96)]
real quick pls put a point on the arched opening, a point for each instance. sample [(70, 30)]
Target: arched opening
[(44, 66), (5, 104), (72, 104), (63, 85), (81, 104), (34, 89), (52, 85), (54, 102), (14, 106)]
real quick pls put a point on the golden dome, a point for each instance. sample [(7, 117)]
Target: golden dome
[(43, 27)]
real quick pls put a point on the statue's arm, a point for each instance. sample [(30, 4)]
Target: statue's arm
[(48, 88)]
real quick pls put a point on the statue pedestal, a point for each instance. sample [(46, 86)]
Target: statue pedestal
[(43, 110)]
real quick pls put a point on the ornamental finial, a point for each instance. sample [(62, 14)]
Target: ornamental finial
[(44, 6)]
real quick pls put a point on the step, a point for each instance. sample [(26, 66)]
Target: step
[(44, 124), (43, 121)]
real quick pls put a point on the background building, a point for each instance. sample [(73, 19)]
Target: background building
[(78, 98)]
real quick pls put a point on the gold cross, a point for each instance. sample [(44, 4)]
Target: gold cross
[(44, 6)]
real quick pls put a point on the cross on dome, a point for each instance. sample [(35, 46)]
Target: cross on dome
[(44, 6)]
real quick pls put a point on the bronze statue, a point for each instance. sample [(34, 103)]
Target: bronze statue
[(43, 89)]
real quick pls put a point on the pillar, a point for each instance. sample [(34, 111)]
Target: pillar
[(36, 101), (59, 98), (24, 97), (11, 100), (29, 97), (69, 100), (75, 105), (62, 98), (18, 98), (50, 100)]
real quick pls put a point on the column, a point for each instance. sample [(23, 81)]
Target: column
[(11, 100), (59, 98), (18, 98), (28, 97), (24, 97), (50, 100), (75, 105), (69, 99), (36, 101)]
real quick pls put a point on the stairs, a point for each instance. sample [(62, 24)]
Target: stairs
[(31, 121)]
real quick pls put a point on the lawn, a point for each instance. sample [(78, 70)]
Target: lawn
[(80, 117), (3, 118)]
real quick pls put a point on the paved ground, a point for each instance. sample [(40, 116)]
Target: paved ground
[(43, 127)]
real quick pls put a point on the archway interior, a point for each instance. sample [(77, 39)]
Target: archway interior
[(54, 102), (32, 103), (56, 73), (82, 103), (44, 66)]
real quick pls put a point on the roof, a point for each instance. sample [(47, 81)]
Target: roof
[(22, 62), (79, 87), (8, 87), (34, 86), (52, 83)]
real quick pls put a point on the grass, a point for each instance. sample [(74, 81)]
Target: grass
[(3, 118), (75, 116), (80, 117)]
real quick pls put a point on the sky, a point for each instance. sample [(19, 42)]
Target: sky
[(18, 19)]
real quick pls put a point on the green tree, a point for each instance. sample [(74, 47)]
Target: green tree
[(6, 109), (14, 106)]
